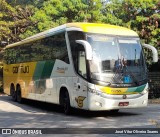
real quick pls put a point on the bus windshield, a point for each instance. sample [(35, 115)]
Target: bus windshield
[(117, 60)]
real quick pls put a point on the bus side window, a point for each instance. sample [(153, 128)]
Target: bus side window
[(73, 36)]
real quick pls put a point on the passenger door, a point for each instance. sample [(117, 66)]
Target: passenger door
[(80, 82)]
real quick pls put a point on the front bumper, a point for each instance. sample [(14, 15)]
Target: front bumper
[(97, 103)]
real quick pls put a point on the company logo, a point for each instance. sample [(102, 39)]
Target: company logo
[(6, 70), (79, 101), (21, 131), (61, 70), (6, 131)]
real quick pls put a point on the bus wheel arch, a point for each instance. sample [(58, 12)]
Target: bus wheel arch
[(18, 93), (64, 100)]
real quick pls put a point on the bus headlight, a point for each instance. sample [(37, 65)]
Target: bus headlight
[(99, 93)]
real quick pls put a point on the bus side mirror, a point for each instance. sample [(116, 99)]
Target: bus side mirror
[(87, 48), (154, 51)]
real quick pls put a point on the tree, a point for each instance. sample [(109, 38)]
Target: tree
[(21, 18), (112, 13), (141, 16), (5, 20), (14, 20), (53, 13), (95, 10)]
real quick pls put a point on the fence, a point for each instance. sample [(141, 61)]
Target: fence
[(154, 85)]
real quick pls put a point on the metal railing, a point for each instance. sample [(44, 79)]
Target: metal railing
[(154, 85)]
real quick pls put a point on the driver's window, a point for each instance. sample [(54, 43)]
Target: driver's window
[(82, 62)]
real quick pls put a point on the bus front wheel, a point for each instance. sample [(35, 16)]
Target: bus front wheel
[(65, 102)]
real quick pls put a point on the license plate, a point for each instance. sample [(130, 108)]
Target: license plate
[(123, 104)]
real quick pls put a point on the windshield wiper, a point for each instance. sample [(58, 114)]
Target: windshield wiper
[(96, 79)]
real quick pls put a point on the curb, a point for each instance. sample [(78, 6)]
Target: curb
[(154, 101)]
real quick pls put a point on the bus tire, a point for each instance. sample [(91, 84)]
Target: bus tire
[(19, 95), (12, 89), (13, 93), (65, 102)]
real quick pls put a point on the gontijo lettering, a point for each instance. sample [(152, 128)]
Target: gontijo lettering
[(20, 69)]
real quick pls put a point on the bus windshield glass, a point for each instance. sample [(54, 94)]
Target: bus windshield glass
[(117, 60)]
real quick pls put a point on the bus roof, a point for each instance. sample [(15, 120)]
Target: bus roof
[(103, 29), (85, 27)]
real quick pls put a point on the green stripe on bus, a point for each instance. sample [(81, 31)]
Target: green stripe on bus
[(47, 70), (38, 70), (136, 89), (43, 70)]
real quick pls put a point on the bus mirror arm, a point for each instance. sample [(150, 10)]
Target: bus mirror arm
[(154, 52), (87, 47)]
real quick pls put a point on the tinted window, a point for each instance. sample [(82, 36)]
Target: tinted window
[(49, 48)]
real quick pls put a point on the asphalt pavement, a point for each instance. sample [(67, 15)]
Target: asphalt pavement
[(33, 114)]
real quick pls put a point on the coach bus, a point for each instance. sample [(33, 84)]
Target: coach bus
[(79, 65)]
